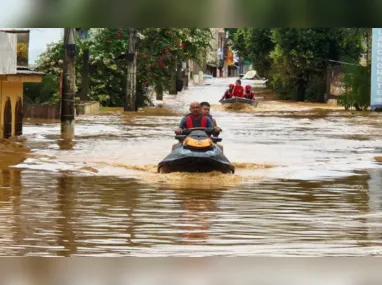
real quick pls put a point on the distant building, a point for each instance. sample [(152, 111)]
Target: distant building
[(215, 56), (213, 61), (14, 71)]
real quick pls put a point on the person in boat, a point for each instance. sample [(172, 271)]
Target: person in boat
[(238, 91), (206, 112), (249, 94), (229, 93)]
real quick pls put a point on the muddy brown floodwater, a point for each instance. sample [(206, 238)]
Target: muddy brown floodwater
[(308, 183)]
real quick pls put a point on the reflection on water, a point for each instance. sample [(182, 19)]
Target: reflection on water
[(66, 144), (308, 182), (45, 213)]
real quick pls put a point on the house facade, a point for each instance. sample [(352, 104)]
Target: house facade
[(12, 79)]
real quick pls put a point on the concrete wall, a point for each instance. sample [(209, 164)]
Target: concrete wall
[(88, 108), (8, 53), (13, 90), (52, 112), (41, 112)]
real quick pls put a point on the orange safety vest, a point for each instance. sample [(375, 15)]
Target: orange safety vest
[(190, 123)]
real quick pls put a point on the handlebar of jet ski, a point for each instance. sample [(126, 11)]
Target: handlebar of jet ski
[(186, 132), (207, 130)]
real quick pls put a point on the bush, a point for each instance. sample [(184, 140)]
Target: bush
[(45, 93), (157, 57), (357, 84), (315, 89)]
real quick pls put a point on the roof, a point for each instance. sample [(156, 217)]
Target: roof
[(23, 70), (14, 31), (29, 72)]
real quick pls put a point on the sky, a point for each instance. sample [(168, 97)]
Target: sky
[(39, 38)]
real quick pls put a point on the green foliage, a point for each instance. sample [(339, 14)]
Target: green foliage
[(295, 60), (162, 49), (260, 46), (44, 93), (158, 55), (241, 40), (254, 45), (315, 88), (305, 54), (231, 32), (357, 85)]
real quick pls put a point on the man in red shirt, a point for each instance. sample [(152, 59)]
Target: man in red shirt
[(238, 91)]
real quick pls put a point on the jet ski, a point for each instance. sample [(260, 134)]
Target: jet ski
[(240, 100), (197, 153)]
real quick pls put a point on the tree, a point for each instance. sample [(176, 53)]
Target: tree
[(300, 57), (164, 49), (241, 40), (42, 93), (295, 60), (158, 56), (259, 47), (357, 86), (254, 45)]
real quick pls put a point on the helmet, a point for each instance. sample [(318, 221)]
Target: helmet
[(231, 85), (248, 87)]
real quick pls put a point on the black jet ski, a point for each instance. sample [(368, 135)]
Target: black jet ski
[(241, 100), (197, 153)]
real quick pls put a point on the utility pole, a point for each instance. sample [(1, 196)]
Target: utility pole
[(173, 88), (130, 99), (225, 53), (84, 95), (179, 81), (186, 75), (69, 84)]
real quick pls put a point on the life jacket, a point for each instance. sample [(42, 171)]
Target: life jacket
[(250, 95), (190, 122), (238, 91), (228, 94)]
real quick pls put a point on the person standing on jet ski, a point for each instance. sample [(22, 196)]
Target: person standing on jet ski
[(228, 94)]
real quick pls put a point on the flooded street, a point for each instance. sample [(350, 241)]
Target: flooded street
[(308, 182)]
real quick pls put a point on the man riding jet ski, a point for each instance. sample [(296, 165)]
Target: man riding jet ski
[(197, 150)]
